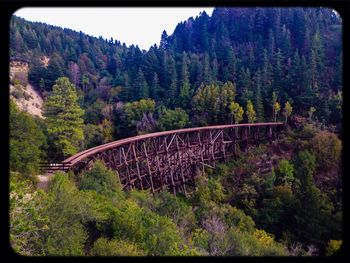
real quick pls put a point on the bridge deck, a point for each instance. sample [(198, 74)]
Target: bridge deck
[(82, 155)]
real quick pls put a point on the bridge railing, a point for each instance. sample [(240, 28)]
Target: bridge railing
[(52, 167)]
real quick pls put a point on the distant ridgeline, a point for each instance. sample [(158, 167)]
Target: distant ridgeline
[(295, 52)]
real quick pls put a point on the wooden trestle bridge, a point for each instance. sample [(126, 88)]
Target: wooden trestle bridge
[(170, 158)]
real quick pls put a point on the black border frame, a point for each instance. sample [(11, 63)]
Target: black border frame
[(8, 7)]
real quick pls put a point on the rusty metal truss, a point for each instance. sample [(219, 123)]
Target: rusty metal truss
[(170, 159)]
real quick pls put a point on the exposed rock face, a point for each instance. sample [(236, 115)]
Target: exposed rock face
[(45, 61), (24, 94), (27, 99), (19, 71)]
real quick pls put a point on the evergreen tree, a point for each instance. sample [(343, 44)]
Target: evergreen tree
[(155, 88), (141, 86), (258, 100), (64, 120), (185, 89), (172, 81)]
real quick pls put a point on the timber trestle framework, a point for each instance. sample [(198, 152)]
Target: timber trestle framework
[(170, 158)]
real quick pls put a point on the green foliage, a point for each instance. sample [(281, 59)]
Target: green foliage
[(255, 245), (285, 172), (27, 218), (136, 111), (200, 68), (216, 190), (270, 180), (93, 114), (105, 247), (287, 111), (333, 246), (276, 109), (201, 239), (175, 208), (67, 210), (174, 119), (250, 112), (288, 54), (211, 103), (144, 199), (107, 131), (63, 118), (67, 235), (327, 149), (156, 234), (100, 179), (314, 209), (92, 135), (236, 111), (26, 142), (235, 217), (209, 191), (305, 165)]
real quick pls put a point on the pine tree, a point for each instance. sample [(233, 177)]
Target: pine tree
[(206, 69), (164, 44), (185, 89), (245, 85), (141, 89), (155, 90), (64, 119), (258, 101), (278, 71), (172, 81), (266, 77)]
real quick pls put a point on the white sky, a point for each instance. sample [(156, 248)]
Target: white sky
[(138, 26)]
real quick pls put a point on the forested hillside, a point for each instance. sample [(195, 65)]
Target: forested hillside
[(239, 65), (293, 51)]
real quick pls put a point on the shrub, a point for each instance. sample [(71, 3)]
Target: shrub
[(105, 247), (285, 172), (100, 179), (333, 246), (27, 96), (17, 93), (327, 149), (155, 234), (26, 142)]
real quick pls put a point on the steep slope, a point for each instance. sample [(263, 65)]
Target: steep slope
[(27, 98)]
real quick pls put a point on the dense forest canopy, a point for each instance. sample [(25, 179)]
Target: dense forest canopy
[(295, 52), (282, 197)]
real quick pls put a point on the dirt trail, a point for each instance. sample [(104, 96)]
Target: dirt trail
[(44, 180)]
